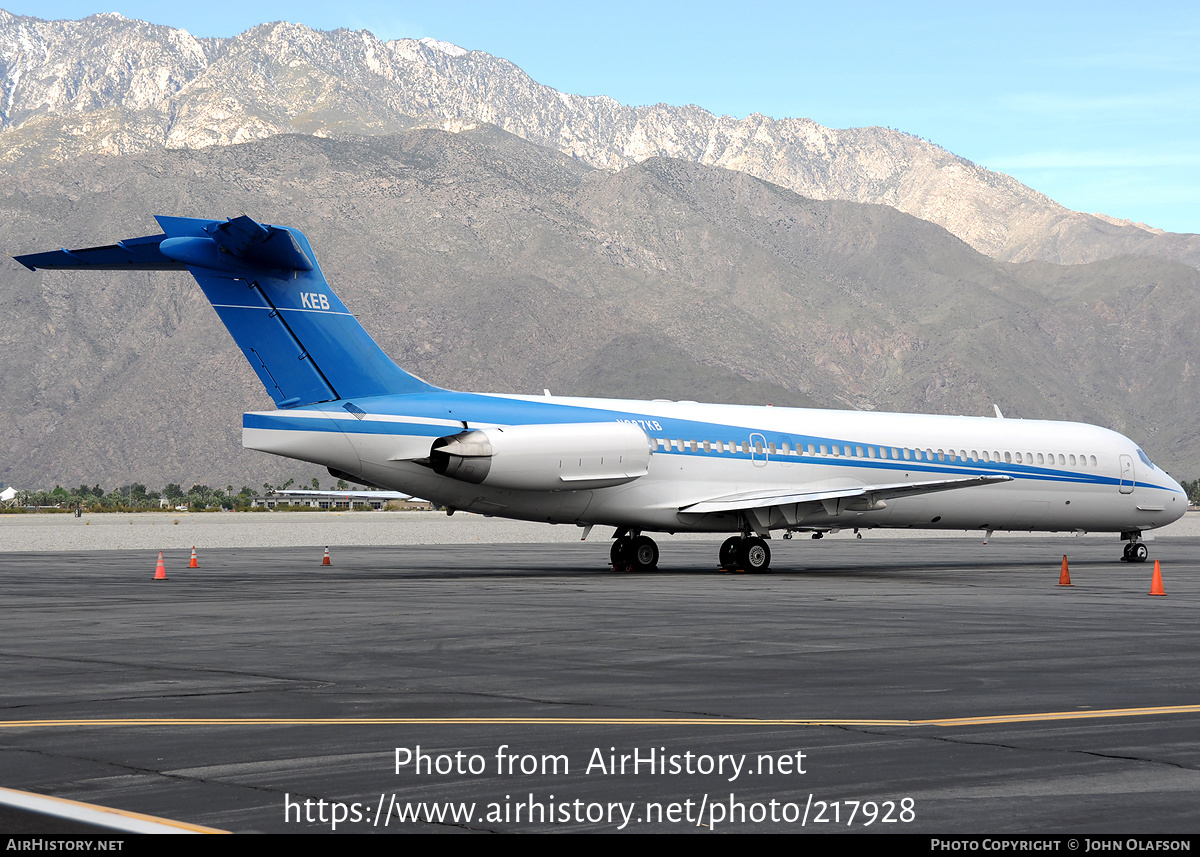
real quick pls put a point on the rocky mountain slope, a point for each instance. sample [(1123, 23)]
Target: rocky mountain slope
[(115, 86), (481, 261)]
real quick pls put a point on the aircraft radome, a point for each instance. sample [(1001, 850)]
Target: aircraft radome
[(637, 466)]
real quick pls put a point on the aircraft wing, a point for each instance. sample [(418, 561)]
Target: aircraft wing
[(872, 493)]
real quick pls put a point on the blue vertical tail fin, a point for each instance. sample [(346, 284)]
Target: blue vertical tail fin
[(265, 285)]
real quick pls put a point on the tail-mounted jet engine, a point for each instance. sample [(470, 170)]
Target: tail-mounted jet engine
[(566, 457)]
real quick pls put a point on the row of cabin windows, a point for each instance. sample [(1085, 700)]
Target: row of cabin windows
[(883, 452)]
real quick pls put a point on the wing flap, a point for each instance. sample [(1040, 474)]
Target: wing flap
[(766, 499)]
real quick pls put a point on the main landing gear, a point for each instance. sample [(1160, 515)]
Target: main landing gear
[(747, 553), (633, 552)]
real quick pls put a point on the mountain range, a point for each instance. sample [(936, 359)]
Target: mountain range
[(494, 234), (113, 85)]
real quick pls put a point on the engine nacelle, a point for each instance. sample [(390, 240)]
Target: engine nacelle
[(571, 456)]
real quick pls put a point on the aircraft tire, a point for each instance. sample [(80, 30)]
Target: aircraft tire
[(754, 555), (643, 554), (728, 556), (619, 553), (1140, 552)]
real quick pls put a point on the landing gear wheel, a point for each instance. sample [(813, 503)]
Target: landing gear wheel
[(619, 554), (1139, 552), (754, 555), (729, 552), (643, 554)]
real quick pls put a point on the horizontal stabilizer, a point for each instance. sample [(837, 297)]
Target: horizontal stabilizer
[(238, 245), (766, 499), (131, 254)]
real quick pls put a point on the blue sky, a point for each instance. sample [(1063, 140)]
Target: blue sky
[(1095, 104)]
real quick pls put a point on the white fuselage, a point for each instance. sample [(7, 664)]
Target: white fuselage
[(1062, 476)]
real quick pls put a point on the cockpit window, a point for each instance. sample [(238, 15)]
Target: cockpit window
[(1146, 461)]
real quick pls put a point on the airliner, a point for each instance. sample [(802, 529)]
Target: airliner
[(639, 467)]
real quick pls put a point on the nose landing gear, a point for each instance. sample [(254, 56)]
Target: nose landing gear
[(1135, 552)]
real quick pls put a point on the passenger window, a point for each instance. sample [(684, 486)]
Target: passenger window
[(1072, 461), (1039, 458), (1018, 458), (1008, 458), (824, 451), (771, 447), (1093, 461), (810, 449)]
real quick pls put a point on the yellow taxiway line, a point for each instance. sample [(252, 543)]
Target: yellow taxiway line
[(1037, 717)]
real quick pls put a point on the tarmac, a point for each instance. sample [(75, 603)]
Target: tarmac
[(888, 684)]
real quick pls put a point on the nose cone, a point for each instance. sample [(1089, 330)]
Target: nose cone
[(1179, 502), (1182, 502)]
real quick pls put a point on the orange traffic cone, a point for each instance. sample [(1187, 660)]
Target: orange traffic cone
[(195, 563), (160, 571), (1064, 577), (1156, 584), (326, 561)]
